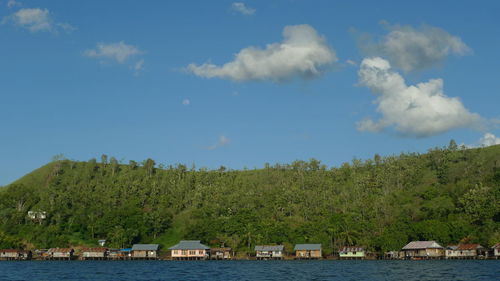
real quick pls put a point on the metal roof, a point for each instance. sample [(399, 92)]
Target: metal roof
[(189, 245), (469, 247), (416, 245), (307, 247), (269, 248), (145, 247)]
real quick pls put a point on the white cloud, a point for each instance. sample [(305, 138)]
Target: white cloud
[(302, 53), (222, 141), (139, 66), (13, 3), (411, 48), (417, 110), (242, 8), (351, 62), (489, 139), (36, 20), (186, 102), (119, 52)]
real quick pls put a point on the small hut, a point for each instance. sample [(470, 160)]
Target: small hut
[(266, 252), (145, 251), (352, 253), (94, 254), (307, 251), (189, 250), (60, 254), (465, 251), (393, 255), (15, 254), (223, 253), (496, 251), (423, 250)]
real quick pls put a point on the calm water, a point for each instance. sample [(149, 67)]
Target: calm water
[(251, 270)]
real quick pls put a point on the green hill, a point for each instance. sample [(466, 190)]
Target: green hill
[(448, 194)]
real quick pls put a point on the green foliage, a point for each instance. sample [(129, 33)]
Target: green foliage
[(449, 194)]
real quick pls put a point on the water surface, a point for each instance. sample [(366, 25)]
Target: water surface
[(251, 270)]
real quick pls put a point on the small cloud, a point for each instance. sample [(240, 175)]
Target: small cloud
[(13, 3), (139, 67), (489, 139), (351, 62), (119, 52), (302, 53), (223, 141), (186, 102), (240, 7), (410, 48), (36, 20), (416, 110)]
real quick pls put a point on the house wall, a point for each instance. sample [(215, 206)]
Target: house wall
[(308, 253), (425, 253), (496, 252), (269, 254), (9, 255), (61, 254), (451, 253), (189, 253), (93, 254), (360, 254), (144, 254)]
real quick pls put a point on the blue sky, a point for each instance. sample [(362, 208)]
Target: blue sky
[(240, 84)]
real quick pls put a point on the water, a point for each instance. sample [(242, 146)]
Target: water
[(251, 270)]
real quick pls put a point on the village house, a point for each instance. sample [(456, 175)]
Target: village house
[(221, 253), (423, 250), (145, 251), (14, 254), (94, 253), (393, 255), (465, 251), (352, 252), (189, 250), (59, 254), (266, 252), (496, 251), (307, 251)]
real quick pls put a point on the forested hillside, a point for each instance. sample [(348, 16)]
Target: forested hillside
[(448, 194)]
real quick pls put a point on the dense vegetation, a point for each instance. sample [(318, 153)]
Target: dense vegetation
[(449, 194)]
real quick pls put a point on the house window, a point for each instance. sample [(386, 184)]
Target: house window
[(191, 252), (184, 252), (200, 252)]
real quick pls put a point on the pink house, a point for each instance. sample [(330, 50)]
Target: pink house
[(189, 250)]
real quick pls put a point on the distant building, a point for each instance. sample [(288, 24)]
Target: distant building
[(101, 242), (465, 251), (269, 252), (224, 253), (352, 252), (423, 250), (189, 250), (496, 250), (94, 254), (15, 254), (60, 254), (145, 251), (308, 251), (37, 215), (393, 255)]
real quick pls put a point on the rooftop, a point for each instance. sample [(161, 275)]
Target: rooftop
[(307, 247), (416, 245), (269, 248), (145, 247), (189, 245)]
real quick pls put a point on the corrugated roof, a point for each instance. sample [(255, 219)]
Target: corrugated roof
[(60, 250), (9, 251), (189, 245), (269, 248), (351, 249), (469, 247), (415, 245), (145, 247), (307, 247), (95, 250)]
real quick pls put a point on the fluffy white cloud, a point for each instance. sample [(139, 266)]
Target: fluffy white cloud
[(242, 8), (411, 48), (118, 52), (138, 67), (489, 139), (13, 3), (36, 20), (302, 53), (222, 141), (417, 110)]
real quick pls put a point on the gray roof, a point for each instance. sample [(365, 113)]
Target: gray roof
[(189, 245), (145, 247), (307, 247), (269, 248), (416, 245)]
